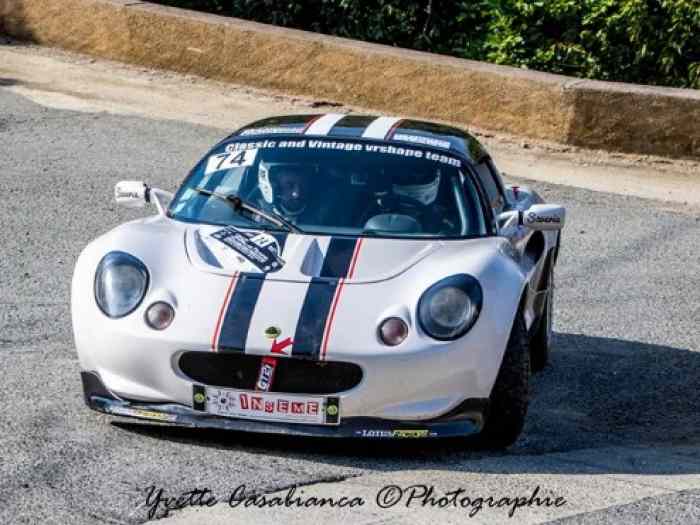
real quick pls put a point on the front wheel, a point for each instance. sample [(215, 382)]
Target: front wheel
[(541, 340), (509, 397)]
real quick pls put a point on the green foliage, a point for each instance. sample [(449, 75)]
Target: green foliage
[(440, 26), (642, 41)]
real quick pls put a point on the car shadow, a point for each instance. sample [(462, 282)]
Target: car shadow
[(597, 392)]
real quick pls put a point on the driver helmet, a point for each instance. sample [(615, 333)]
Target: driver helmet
[(422, 187), (285, 186)]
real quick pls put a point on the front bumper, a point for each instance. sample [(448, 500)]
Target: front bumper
[(467, 419)]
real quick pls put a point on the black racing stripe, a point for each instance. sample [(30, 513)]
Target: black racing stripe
[(308, 335), (351, 126), (338, 257), (234, 329)]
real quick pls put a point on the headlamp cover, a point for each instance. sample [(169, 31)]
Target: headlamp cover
[(450, 307), (121, 281)]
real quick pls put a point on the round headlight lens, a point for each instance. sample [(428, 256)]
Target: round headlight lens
[(393, 331), (449, 308), (121, 281), (159, 315)]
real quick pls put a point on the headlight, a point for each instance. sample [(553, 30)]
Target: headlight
[(449, 308), (121, 281)]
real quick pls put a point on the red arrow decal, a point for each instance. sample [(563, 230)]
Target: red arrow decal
[(278, 348)]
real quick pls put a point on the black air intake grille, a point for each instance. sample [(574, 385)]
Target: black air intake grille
[(293, 376)]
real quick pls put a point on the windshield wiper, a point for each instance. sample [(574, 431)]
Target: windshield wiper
[(239, 205)]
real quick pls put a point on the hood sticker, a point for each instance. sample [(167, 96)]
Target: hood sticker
[(259, 248)]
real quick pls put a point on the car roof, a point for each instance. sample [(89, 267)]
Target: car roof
[(385, 128)]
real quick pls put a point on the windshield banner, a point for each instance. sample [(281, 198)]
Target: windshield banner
[(377, 149)]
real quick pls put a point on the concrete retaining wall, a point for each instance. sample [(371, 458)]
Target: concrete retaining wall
[(614, 116)]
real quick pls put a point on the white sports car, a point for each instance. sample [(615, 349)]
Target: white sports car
[(330, 275)]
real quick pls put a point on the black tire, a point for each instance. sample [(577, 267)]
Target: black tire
[(509, 397), (541, 339)]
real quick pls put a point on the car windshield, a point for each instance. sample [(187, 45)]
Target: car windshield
[(333, 187)]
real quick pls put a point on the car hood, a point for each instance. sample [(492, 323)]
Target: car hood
[(301, 258)]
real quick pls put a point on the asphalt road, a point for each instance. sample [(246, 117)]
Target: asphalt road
[(625, 372)]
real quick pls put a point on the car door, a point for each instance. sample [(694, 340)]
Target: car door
[(500, 200)]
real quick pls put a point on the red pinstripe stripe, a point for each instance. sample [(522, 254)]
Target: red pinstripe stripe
[(355, 255), (336, 299), (393, 129), (308, 124), (217, 330)]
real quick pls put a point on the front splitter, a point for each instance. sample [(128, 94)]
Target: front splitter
[(98, 398)]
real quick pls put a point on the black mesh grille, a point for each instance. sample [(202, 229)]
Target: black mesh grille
[(293, 376)]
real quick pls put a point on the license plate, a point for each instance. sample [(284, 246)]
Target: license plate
[(266, 406)]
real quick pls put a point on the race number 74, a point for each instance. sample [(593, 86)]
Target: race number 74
[(226, 161)]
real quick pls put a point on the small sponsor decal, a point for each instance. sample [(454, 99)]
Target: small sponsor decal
[(410, 433), (419, 139), (199, 397), (131, 190), (272, 332), (127, 194), (266, 375), (271, 131), (396, 433), (332, 409), (149, 414), (142, 413), (532, 217), (260, 249)]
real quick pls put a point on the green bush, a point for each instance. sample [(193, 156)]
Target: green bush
[(440, 26), (642, 41)]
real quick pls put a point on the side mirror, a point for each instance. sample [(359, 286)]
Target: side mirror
[(131, 193), (544, 217), (136, 194)]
